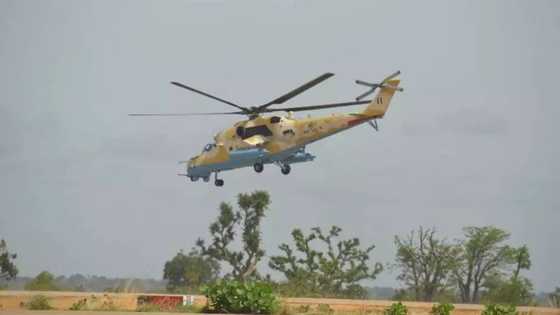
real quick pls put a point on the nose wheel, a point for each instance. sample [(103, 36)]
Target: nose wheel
[(258, 167), (217, 181), (285, 169)]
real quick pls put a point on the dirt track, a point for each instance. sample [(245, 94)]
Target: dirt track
[(21, 312)]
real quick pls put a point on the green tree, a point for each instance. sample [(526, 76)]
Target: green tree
[(334, 272), (8, 269), (481, 254), (515, 289), (223, 230), (425, 263), (189, 272), (42, 282)]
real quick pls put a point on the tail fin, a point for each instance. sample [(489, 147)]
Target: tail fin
[(380, 103)]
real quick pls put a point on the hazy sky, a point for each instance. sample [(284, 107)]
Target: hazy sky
[(473, 140)]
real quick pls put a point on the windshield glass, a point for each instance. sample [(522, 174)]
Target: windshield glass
[(208, 147)]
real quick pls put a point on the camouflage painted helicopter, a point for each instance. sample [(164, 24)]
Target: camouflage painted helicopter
[(279, 140)]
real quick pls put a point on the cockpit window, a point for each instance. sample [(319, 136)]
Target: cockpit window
[(208, 147), (275, 119)]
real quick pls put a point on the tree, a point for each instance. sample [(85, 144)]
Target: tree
[(334, 272), (425, 263), (482, 253), (189, 272), (42, 282), (247, 219), (521, 260), (515, 289), (8, 269)]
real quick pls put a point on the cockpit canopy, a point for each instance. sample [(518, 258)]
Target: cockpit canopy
[(208, 147)]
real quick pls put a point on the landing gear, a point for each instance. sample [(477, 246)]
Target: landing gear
[(258, 167), (285, 169), (218, 182)]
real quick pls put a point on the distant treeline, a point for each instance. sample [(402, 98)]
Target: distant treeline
[(79, 282)]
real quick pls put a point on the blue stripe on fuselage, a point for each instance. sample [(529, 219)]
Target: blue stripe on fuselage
[(248, 157)]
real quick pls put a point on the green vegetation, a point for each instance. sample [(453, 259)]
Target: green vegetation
[(498, 309), (396, 309), (151, 308), (241, 297), (333, 272), (186, 273), (425, 263), (223, 231), (42, 282), (8, 269), (442, 309), (479, 267), (94, 303), (38, 302)]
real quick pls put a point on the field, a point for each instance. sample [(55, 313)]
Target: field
[(11, 302)]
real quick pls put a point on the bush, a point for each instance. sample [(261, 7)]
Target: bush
[(442, 309), (38, 302), (499, 309), (238, 297), (94, 303), (396, 309)]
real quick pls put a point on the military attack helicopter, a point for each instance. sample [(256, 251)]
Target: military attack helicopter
[(279, 140)]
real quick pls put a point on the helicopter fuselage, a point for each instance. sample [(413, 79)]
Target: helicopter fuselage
[(265, 140)]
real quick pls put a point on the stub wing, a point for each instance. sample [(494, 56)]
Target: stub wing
[(255, 140)]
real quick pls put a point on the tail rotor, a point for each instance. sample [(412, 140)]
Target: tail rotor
[(374, 86)]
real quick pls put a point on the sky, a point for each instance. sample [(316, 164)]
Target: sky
[(86, 189)]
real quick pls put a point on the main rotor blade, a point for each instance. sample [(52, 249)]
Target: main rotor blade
[(208, 95), (188, 114), (298, 90), (315, 107)]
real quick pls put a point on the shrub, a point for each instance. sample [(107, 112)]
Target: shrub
[(94, 303), (396, 309), (442, 309), (499, 309), (240, 297), (38, 302), (324, 309)]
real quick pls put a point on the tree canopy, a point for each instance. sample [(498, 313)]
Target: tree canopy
[(425, 263), (44, 281), (188, 272), (335, 271), (8, 269), (247, 221)]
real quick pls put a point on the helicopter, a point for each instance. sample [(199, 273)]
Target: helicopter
[(279, 139)]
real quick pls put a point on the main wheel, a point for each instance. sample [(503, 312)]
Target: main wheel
[(286, 168), (219, 182), (258, 167)]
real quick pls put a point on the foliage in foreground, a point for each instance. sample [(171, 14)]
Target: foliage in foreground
[(442, 309), (38, 302), (396, 309), (240, 297), (151, 308), (499, 309)]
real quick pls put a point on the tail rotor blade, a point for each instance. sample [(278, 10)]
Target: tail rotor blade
[(392, 76)]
